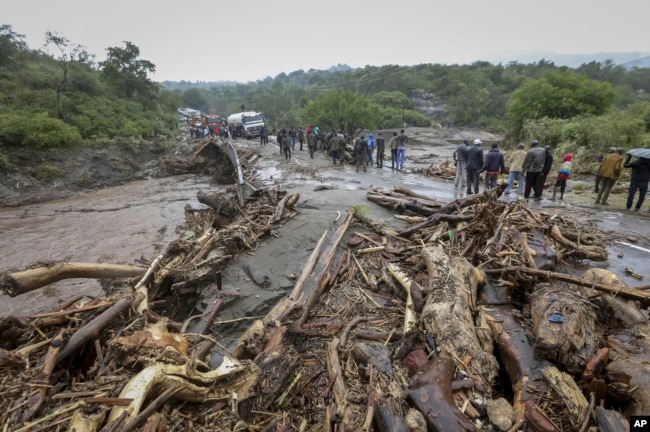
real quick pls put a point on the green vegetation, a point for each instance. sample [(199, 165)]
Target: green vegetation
[(59, 98)]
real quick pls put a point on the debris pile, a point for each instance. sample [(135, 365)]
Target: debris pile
[(459, 321)]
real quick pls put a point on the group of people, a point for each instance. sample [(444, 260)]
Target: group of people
[(531, 168), (610, 170), (366, 152)]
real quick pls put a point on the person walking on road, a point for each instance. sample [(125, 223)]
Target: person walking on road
[(493, 165), (380, 150), (301, 137), (286, 146), (638, 181), (610, 171), (548, 164), (393, 150), (532, 168), (460, 162), (515, 164), (475, 161), (360, 149), (311, 145), (563, 175), (401, 149)]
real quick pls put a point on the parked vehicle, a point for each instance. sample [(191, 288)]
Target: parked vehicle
[(247, 124)]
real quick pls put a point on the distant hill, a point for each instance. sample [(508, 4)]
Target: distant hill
[(626, 59)]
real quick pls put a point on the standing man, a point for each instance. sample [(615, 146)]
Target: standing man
[(380, 150), (548, 164), (292, 138), (515, 164), (264, 136), (460, 162), (474, 164), (639, 180), (342, 138), (494, 165), (360, 148), (393, 150), (301, 137), (334, 147), (401, 149), (532, 168), (286, 146), (370, 150), (610, 171), (311, 144)]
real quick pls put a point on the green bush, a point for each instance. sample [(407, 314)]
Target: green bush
[(45, 173), (5, 163), (36, 131)]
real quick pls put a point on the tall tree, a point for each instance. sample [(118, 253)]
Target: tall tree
[(127, 73), (68, 53), (341, 109), (558, 94), (10, 43)]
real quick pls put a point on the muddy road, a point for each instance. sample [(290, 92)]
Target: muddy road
[(122, 224)]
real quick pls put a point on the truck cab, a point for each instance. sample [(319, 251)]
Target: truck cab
[(247, 124)]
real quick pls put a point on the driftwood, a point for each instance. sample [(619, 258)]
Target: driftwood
[(431, 393), (29, 280), (564, 324), (621, 291), (452, 207), (447, 313)]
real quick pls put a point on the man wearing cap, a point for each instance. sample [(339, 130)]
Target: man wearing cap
[(474, 164), (610, 171), (532, 168), (493, 166)]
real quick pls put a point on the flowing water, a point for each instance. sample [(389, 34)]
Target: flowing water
[(114, 225)]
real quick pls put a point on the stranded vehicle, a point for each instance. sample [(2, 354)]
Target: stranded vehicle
[(246, 124)]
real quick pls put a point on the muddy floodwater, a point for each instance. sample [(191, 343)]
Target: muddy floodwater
[(125, 223), (114, 225)]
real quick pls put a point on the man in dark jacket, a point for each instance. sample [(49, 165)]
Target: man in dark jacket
[(532, 168), (548, 164), (493, 166), (474, 164), (638, 180)]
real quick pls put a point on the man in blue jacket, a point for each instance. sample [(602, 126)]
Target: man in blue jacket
[(638, 180), (493, 166)]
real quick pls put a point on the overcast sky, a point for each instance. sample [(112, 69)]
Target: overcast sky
[(247, 40)]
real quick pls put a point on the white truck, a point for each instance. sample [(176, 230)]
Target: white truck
[(246, 124)]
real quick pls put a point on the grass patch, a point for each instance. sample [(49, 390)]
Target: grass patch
[(46, 172)]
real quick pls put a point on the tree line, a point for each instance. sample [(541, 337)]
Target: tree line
[(59, 95)]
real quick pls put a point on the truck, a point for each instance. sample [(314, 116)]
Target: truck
[(247, 124)]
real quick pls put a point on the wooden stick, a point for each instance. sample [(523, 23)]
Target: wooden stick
[(29, 280), (627, 292)]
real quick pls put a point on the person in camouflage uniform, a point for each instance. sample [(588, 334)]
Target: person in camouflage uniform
[(380, 150), (342, 148), (286, 146), (334, 147), (311, 144), (360, 150)]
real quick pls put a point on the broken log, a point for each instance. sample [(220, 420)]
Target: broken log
[(580, 251), (564, 324), (25, 281), (448, 311), (431, 393), (452, 207), (621, 291)]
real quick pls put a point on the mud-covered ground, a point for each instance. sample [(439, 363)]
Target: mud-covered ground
[(262, 276)]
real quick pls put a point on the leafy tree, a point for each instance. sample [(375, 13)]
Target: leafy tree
[(193, 98), (393, 99), (36, 131), (10, 43), (68, 54), (125, 72), (558, 94), (341, 109)]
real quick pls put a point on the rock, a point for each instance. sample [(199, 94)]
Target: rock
[(500, 413)]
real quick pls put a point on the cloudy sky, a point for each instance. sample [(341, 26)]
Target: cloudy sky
[(244, 40)]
